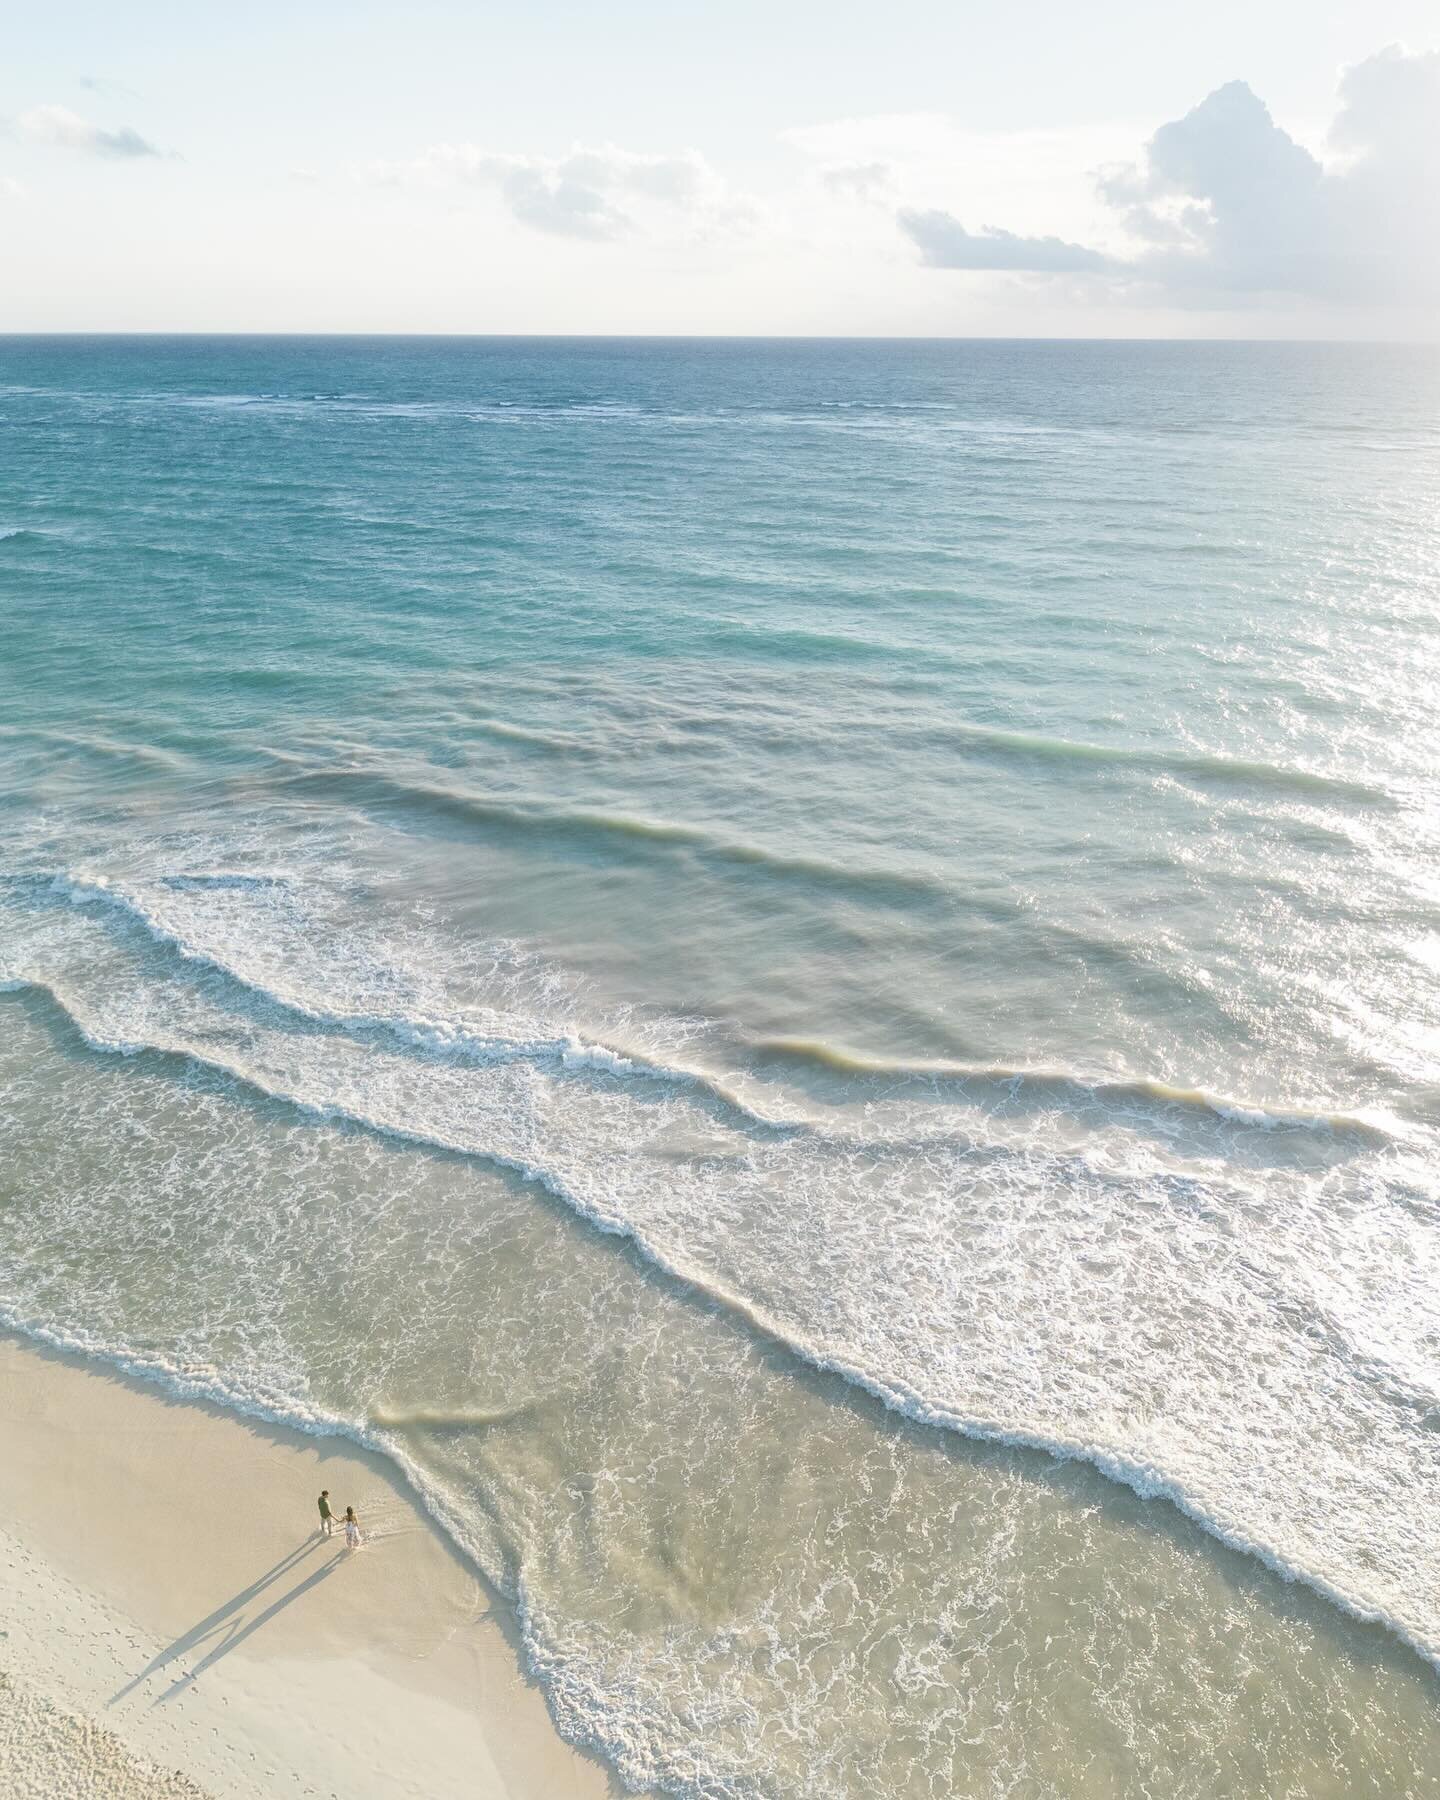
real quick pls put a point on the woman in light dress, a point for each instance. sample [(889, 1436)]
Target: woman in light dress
[(353, 1539)]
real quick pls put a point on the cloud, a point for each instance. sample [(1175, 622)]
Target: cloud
[(598, 193), (1228, 199), (58, 125), (10, 188), (1224, 203), (1034, 182), (861, 181), (944, 243)]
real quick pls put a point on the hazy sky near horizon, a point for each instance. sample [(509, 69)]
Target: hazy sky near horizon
[(1261, 169)]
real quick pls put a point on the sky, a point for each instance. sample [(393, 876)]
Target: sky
[(928, 167)]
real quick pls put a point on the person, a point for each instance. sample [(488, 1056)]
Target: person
[(353, 1540), (327, 1518)]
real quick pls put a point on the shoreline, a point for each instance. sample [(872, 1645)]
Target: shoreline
[(171, 1614)]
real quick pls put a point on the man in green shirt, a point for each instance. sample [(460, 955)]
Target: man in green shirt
[(327, 1518)]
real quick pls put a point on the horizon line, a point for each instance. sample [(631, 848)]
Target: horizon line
[(715, 337)]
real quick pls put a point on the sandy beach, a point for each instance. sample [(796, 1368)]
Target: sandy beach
[(174, 1626)]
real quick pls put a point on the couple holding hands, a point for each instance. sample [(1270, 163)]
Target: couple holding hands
[(353, 1540)]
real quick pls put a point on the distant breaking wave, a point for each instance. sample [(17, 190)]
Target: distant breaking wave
[(1063, 1082), (557, 743), (371, 788), (93, 743), (1194, 765), (1204, 768)]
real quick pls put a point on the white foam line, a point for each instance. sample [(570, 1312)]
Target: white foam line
[(439, 1037)]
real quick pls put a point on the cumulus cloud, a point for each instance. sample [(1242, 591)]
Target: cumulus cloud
[(1224, 202), (598, 192), (944, 243), (1232, 202), (58, 125)]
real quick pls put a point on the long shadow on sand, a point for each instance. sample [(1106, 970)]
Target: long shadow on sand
[(229, 1624)]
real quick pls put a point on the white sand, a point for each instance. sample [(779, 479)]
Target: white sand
[(173, 1623), (47, 1754)]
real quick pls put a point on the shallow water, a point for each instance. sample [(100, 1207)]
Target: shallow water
[(724, 947)]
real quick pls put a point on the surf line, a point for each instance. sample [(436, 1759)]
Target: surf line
[(897, 1395)]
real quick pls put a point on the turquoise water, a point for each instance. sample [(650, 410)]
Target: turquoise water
[(728, 947)]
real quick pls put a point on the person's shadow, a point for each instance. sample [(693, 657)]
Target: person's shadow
[(229, 1625)]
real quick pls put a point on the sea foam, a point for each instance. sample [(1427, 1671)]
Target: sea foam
[(876, 1248)]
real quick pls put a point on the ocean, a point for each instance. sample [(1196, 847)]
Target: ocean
[(805, 976)]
